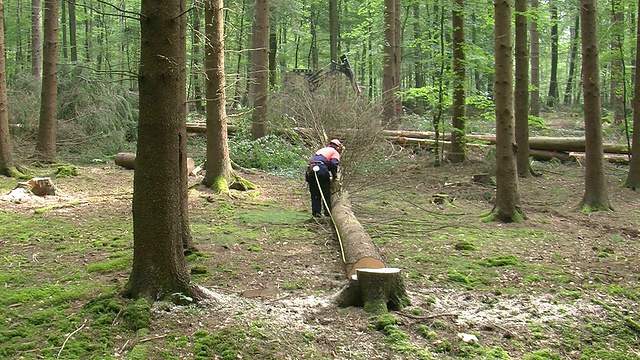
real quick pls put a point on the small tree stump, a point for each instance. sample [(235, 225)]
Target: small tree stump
[(42, 186), (382, 290)]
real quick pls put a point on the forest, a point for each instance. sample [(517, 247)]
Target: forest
[(153, 202)]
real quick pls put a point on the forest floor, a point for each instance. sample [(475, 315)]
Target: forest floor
[(561, 285)]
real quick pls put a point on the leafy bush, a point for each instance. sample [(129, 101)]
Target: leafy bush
[(270, 153)]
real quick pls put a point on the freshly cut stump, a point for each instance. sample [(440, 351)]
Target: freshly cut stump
[(370, 283)]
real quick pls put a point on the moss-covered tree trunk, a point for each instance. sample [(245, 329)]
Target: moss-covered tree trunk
[(218, 169)]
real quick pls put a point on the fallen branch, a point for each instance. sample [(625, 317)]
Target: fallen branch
[(69, 337)]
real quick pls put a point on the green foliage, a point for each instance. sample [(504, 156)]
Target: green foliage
[(482, 107), (270, 153)]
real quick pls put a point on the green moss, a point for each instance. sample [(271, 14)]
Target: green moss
[(220, 185), (66, 170), (375, 307), (465, 245), (240, 183), (544, 354), (137, 315), (502, 260), (139, 352)]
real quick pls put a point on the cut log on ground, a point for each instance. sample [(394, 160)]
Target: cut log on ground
[(547, 155), (128, 161), (383, 288), (612, 158)]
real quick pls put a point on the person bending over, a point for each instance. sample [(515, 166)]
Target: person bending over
[(322, 169)]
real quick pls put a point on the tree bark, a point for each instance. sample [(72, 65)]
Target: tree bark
[(334, 30), (595, 194), (260, 69), (46, 145), (159, 217), (458, 151), (7, 167), (521, 96), (572, 61), (218, 166), (553, 82), (73, 44), (535, 60), (388, 72), (507, 207), (36, 39), (633, 178)]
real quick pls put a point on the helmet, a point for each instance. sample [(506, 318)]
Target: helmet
[(336, 142)]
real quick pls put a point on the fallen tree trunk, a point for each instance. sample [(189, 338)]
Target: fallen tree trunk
[(565, 144), (371, 284), (128, 161), (612, 158)]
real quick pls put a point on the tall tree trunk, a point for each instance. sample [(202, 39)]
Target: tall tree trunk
[(88, 29), (218, 163), (595, 194), (507, 199), (36, 39), (313, 48), (633, 178), (535, 60), (63, 24), (260, 69), (239, 93), (196, 56), (7, 167), (273, 52), (552, 99), (73, 45), (334, 30), (615, 91), (397, 57), (46, 146), (418, 57), (572, 61), (388, 75), (159, 265), (521, 95), (458, 152)]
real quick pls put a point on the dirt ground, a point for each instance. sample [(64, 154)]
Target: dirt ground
[(571, 265)]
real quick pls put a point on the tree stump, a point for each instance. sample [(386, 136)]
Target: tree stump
[(371, 284), (42, 186)]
